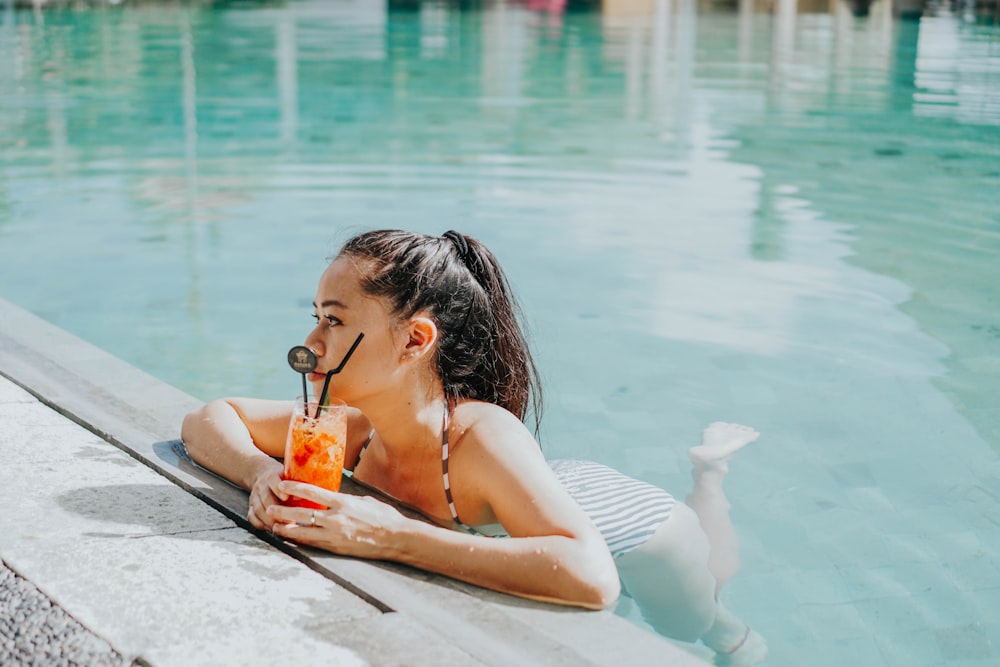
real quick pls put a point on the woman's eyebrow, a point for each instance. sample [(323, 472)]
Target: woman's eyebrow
[(330, 302)]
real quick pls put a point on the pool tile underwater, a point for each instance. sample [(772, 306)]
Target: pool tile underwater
[(632, 420), (789, 547), (921, 578), (980, 495), (753, 393), (942, 605), (970, 399), (855, 546), (974, 574), (894, 614), (868, 498), (983, 418), (912, 648), (964, 642), (852, 475), (875, 583), (987, 601), (861, 650), (653, 461), (729, 362), (831, 622), (989, 538), (951, 546), (747, 590), (824, 586)]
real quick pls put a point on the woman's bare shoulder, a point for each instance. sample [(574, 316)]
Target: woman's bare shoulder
[(506, 477), (491, 435), (486, 422)]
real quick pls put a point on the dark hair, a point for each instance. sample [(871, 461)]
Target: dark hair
[(482, 352)]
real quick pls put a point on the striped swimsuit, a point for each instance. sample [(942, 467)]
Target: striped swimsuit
[(625, 510)]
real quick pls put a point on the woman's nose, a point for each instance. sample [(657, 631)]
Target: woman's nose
[(315, 343)]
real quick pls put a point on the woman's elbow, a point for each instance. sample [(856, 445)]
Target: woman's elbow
[(194, 427), (600, 586), (604, 590), (189, 428), (188, 424)]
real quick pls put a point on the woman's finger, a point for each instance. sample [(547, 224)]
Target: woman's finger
[(253, 509), (258, 516), (303, 516), (308, 492), (255, 520), (295, 532), (269, 495), (274, 488)]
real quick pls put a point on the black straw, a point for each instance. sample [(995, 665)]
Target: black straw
[(330, 373), (302, 360)]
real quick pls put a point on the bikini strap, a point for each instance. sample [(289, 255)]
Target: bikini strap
[(444, 469), (444, 465), (368, 441), (447, 482)]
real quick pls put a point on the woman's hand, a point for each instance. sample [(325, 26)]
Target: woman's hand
[(265, 493), (358, 526)]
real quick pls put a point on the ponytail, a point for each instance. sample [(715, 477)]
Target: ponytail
[(482, 351)]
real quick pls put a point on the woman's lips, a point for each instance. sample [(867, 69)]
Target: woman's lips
[(317, 377)]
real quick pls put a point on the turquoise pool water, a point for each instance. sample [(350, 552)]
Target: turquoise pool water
[(788, 219)]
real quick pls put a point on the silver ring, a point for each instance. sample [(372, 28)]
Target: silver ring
[(312, 518)]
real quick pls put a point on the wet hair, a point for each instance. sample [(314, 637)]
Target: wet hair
[(482, 352)]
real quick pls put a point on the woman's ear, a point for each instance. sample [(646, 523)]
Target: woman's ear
[(422, 335)]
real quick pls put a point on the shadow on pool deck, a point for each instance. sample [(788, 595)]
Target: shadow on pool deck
[(153, 553)]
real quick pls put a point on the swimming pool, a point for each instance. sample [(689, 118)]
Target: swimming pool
[(790, 220)]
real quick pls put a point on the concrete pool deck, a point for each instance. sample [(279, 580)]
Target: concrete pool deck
[(109, 519)]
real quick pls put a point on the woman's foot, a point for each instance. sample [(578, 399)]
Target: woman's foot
[(718, 443), (734, 643), (752, 651)]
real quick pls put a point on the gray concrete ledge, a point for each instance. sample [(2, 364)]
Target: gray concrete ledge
[(77, 422)]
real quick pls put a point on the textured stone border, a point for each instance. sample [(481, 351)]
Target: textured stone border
[(142, 415)]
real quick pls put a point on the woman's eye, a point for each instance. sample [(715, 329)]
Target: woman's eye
[(330, 319)]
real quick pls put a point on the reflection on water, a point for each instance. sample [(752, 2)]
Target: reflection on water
[(783, 215)]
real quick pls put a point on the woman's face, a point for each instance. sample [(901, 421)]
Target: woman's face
[(342, 312)]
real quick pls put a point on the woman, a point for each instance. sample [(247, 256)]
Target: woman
[(438, 390)]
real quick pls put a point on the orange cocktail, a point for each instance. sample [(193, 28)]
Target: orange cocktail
[(314, 451)]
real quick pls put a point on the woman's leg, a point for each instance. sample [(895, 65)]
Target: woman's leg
[(668, 577), (732, 639), (710, 462)]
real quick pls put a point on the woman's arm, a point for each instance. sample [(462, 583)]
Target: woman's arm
[(564, 569), (497, 473), (573, 569), (499, 469), (238, 438)]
